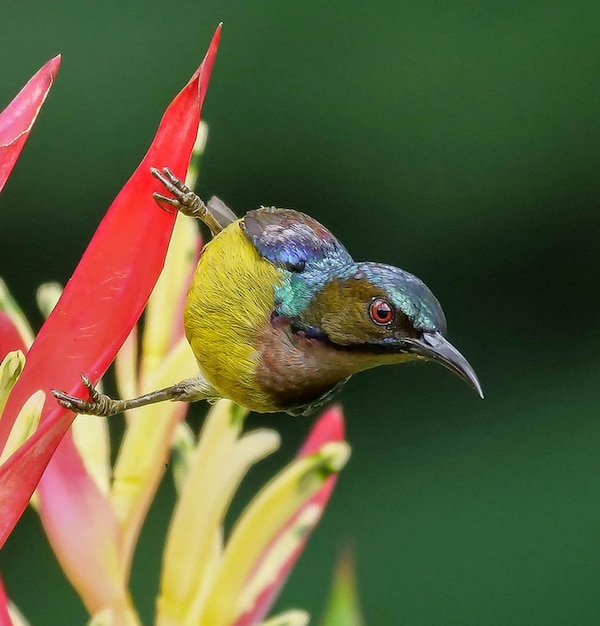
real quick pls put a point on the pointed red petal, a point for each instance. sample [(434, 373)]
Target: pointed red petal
[(107, 292), (329, 427), (270, 593), (18, 117), (20, 473), (82, 529)]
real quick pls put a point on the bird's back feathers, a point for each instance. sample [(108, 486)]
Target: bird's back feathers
[(292, 240)]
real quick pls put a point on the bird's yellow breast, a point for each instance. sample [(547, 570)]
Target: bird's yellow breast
[(228, 306)]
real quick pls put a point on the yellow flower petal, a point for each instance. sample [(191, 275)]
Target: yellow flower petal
[(10, 307), (126, 367), (182, 453), (165, 304), (17, 618), (107, 617), (220, 462), (211, 567), (47, 296), (102, 618), (278, 554), (145, 448), (261, 521), (25, 425), (289, 618), (197, 152), (92, 441), (10, 369)]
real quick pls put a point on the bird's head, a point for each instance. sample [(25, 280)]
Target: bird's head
[(373, 314)]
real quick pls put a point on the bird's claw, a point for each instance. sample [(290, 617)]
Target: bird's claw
[(185, 200), (99, 404), (162, 201)]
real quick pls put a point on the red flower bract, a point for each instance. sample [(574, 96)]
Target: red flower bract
[(329, 427), (10, 339), (103, 300), (18, 117)]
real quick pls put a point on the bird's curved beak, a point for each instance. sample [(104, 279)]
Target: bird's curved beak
[(434, 347)]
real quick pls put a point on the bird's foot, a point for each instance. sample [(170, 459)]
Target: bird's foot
[(185, 200), (99, 404)]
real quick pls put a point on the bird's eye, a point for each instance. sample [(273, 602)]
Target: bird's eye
[(381, 311)]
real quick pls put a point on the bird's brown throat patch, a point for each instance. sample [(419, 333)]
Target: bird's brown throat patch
[(295, 369)]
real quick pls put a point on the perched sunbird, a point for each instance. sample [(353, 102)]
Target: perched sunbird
[(279, 316)]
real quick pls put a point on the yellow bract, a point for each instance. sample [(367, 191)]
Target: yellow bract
[(9, 306), (25, 425), (218, 464), (258, 526), (10, 370), (289, 618), (47, 296), (29, 415), (93, 443)]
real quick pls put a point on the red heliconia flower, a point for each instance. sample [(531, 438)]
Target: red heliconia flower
[(92, 511), (100, 305)]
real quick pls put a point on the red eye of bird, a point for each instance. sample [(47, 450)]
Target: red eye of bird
[(381, 312)]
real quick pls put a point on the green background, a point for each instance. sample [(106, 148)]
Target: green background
[(460, 141)]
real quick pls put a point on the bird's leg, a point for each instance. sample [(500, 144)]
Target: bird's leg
[(102, 405), (185, 200)]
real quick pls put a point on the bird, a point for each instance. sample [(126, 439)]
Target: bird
[(279, 316)]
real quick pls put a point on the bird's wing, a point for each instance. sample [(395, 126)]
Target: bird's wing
[(292, 240)]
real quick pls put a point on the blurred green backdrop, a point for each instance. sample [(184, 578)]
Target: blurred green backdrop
[(460, 141)]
